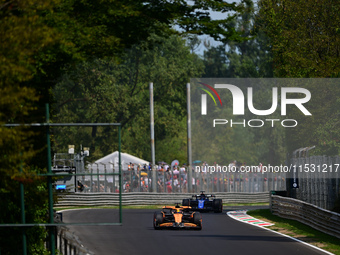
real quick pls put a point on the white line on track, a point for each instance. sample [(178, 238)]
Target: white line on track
[(232, 214)]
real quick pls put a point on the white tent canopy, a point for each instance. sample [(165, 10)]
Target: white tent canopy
[(110, 163)]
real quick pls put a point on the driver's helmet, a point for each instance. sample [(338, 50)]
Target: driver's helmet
[(176, 210)]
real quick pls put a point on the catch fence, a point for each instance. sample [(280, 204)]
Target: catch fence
[(317, 181)]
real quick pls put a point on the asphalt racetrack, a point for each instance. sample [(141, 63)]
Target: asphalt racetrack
[(220, 235)]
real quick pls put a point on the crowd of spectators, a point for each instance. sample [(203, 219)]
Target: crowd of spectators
[(174, 179)]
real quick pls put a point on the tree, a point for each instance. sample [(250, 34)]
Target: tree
[(305, 43), (216, 62), (95, 29), (105, 91), (247, 58), (23, 34), (238, 141), (87, 30), (304, 36), (321, 128), (39, 39)]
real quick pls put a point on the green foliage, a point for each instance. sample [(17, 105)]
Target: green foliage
[(87, 29), (305, 43), (269, 142), (223, 144), (247, 58), (23, 33), (328, 136), (100, 27), (215, 62), (321, 129), (107, 91), (251, 58), (195, 19), (298, 230), (39, 39), (35, 212), (304, 36)]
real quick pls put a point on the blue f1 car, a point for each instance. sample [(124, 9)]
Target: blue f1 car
[(203, 202)]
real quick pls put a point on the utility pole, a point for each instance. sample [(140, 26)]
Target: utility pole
[(152, 125), (189, 139)]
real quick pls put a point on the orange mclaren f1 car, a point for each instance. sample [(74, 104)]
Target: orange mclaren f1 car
[(177, 217)]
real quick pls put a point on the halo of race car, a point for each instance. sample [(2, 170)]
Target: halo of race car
[(204, 203), (177, 217)]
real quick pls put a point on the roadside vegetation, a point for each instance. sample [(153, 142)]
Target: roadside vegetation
[(91, 61), (298, 230)]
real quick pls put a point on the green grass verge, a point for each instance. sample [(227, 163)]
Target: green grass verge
[(298, 230)]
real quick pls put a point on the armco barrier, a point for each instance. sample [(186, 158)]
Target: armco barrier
[(112, 199), (68, 243), (311, 215)]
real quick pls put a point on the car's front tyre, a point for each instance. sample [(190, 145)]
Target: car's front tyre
[(157, 220)]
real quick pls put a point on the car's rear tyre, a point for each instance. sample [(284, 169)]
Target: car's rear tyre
[(197, 217), (186, 202), (198, 220), (217, 205), (157, 220)]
